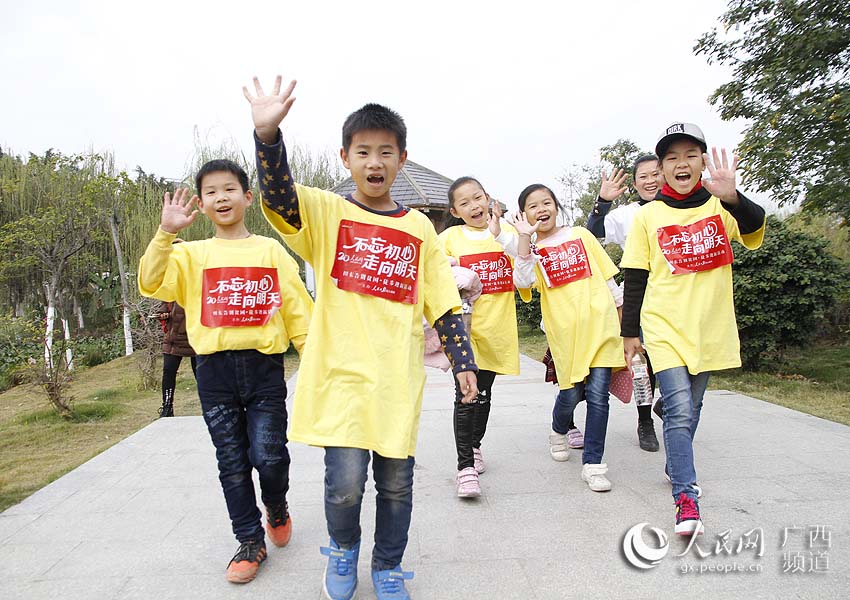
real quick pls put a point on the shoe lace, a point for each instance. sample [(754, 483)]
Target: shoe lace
[(278, 515), (341, 561), (343, 566), (247, 551), (393, 582), (687, 508)]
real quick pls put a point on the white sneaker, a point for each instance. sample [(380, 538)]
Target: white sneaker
[(594, 475), (559, 448)]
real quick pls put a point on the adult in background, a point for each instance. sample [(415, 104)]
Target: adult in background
[(175, 346)]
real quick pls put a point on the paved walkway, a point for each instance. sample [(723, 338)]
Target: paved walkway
[(146, 518)]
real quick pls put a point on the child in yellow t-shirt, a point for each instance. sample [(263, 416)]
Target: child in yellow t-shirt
[(244, 304), (379, 268), (678, 290), (481, 242), (578, 300)]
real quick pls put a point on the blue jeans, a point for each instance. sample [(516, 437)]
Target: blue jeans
[(345, 481), (681, 397), (595, 388), (243, 398)]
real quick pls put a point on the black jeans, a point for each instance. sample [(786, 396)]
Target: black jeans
[(170, 364), (243, 398), (470, 420)]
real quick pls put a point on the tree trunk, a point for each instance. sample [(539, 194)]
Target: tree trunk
[(125, 299), (69, 354), (48, 328), (78, 312)]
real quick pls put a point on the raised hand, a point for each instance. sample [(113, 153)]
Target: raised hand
[(177, 212), (722, 182), (615, 187), (493, 219), (269, 111), (520, 223)]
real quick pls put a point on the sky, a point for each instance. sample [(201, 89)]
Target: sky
[(511, 93)]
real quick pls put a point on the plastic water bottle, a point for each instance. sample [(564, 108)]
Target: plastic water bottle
[(641, 388)]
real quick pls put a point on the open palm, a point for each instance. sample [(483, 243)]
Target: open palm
[(722, 174), (268, 111), (178, 212)]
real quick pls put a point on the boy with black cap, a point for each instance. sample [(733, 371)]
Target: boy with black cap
[(678, 289)]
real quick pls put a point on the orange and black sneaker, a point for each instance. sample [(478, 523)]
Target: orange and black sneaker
[(279, 524), (244, 564)]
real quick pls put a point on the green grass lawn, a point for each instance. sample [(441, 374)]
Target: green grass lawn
[(38, 446), (814, 381)]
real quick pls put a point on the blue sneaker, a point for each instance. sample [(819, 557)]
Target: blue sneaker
[(341, 571), (389, 584)]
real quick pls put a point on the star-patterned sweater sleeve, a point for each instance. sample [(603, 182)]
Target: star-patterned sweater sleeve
[(276, 185), (454, 340)]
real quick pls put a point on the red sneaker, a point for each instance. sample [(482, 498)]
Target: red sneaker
[(687, 516), (279, 524), (245, 563)]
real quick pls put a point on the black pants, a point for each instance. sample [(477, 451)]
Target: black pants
[(170, 364), (470, 420)]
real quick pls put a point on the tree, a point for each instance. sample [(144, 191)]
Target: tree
[(783, 292), (790, 62), (581, 182), (57, 229), (114, 193)]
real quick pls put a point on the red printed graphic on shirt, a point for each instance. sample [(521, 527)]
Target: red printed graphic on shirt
[(565, 263), (700, 246), (493, 269), (239, 296), (377, 261)]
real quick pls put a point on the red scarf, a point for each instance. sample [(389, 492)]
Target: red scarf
[(666, 190)]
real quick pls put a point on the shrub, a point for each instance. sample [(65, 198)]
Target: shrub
[(90, 351), (783, 292), (20, 344)]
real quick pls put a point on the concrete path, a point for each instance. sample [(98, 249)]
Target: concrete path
[(146, 519)]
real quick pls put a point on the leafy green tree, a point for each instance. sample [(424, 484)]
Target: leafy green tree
[(783, 292), (790, 62), (58, 226), (581, 183)]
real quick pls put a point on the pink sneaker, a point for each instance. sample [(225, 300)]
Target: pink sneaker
[(479, 460), (575, 439), (467, 483)]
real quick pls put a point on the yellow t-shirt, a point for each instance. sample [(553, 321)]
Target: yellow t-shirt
[(582, 325), (362, 374), (238, 294), (493, 328), (688, 319)]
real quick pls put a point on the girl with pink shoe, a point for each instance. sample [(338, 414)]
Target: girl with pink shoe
[(482, 242)]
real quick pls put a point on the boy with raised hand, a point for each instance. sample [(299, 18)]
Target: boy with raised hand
[(244, 304), (379, 268), (678, 289)]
